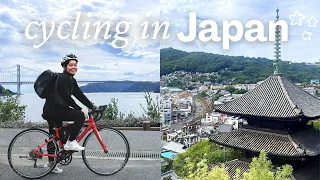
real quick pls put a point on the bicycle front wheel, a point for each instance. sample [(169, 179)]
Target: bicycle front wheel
[(108, 163), (22, 158)]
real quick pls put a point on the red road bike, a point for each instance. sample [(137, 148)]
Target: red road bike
[(28, 151)]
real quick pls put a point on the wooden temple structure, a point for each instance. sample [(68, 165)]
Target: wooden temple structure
[(277, 112)]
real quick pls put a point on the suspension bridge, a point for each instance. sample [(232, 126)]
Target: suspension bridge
[(19, 75)]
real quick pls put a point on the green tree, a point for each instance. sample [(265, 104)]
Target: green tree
[(240, 91), (168, 167), (191, 87), (218, 173), (111, 112), (261, 168), (230, 89), (203, 94), (177, 83), (199, 151), (216, 97), (10, 110), (202, 173), (153, 109), (315, 123)]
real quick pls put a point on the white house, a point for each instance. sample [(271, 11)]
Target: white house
[(211, 118), (166, 110), (191, 139), (174, 146)]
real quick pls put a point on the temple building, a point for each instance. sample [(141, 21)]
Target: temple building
[(277, 112)]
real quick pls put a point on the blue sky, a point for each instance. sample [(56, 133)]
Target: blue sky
[(295, 50), (98, 60)]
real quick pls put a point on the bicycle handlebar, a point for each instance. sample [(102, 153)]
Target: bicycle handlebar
[(97, 112)]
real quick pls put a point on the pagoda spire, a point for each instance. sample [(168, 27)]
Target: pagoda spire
[(277, 52)]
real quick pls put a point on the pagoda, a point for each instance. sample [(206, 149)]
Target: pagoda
[(277, 112)]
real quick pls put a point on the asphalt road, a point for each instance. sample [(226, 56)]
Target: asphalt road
[(141, 167), (135, 169)]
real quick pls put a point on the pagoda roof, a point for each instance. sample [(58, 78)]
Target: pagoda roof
[(276, 97), (304, 143)]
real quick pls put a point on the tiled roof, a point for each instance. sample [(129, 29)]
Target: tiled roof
[(304, 143), (232, 166), (276, 97)]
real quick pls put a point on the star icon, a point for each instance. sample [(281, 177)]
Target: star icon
[(312, 22), (296, 18), (306, 35)]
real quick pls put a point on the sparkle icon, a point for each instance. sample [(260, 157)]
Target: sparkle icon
[(296, 18), (312, 22), (306, 35)]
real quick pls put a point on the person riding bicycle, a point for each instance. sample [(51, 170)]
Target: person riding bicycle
[(61, 107)]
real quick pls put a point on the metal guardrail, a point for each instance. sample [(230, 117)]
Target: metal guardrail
[(145, 127), (115, 154), (100, 154)]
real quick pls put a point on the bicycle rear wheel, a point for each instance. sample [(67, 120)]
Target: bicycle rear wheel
[(114, 160), (22, 159)]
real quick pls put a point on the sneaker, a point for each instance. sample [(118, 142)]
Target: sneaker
[(56, 170), (73, 145)]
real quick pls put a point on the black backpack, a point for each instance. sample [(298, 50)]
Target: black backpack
[(45, 83)]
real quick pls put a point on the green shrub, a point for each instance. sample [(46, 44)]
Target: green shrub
[(10, 110)]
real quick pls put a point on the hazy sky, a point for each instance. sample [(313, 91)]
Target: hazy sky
[(295, 50)]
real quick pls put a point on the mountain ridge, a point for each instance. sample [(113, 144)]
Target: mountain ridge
[(238, 69), (122, 86)]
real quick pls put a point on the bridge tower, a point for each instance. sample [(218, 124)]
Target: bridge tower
[(18, 79)]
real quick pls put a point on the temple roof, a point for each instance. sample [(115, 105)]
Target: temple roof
[(305, 143), (276, 97)]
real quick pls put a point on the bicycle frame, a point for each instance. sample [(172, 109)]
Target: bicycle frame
[(92, 125)]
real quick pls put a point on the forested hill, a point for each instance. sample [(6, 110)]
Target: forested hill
[(238, 69), (2, 90)]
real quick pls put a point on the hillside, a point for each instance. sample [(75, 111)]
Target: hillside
[(239, 69), (122, 86), (2, 89)]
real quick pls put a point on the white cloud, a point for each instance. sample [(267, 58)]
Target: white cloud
[(139, 57)]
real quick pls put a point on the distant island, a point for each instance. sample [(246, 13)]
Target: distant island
[(2, 90), (122, 86), (234, 69)]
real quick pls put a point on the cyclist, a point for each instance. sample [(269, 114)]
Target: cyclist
[(57, 106)]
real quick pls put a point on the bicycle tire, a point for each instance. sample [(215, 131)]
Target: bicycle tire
[(126, 156), (10, 155)]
